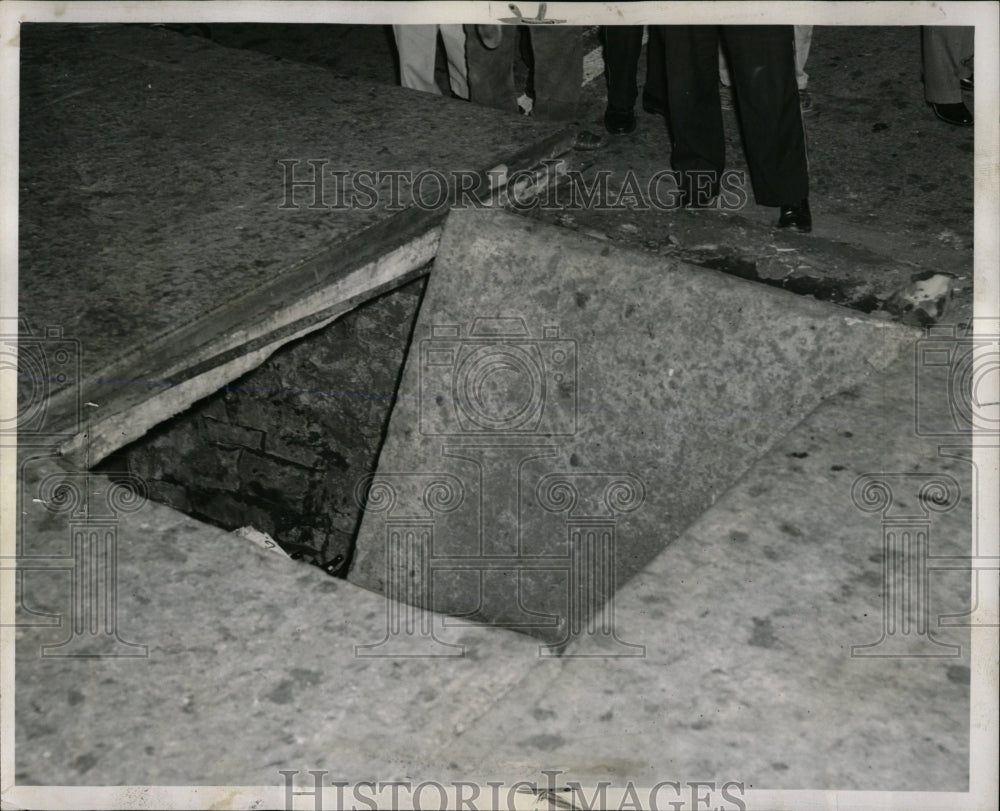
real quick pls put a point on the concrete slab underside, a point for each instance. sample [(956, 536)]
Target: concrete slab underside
[(573, 453), (747, 621)]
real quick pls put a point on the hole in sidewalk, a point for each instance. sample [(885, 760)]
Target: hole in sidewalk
[(282, 448)]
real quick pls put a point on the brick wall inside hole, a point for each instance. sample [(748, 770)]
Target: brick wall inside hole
[(282, 448)]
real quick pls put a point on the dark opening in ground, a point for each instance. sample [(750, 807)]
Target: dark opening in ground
[(282, 448)]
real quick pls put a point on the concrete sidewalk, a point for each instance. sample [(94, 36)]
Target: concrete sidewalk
[(891, 186), (150, 196), (748, 621)]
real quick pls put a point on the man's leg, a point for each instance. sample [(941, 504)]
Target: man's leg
[(491, 70), (453, 37), (694, 113), (558, 54), (947, 60), (763, 64), (417, 46), (803, 41), (654, 93), (622, 46)]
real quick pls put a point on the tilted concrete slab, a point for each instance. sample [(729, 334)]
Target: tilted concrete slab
[(187, 208), (568, 409)]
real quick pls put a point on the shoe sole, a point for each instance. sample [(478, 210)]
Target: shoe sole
[(951, 121)]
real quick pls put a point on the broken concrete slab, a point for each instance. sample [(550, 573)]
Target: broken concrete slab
[(747, 624), (192, 235), (567, 410)]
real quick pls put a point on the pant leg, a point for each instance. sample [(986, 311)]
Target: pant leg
[(453, 37), (947, 59), (763, 68), (558, 54), (803, 42), (417, 46), (491, 72), (724, 78), (656, 81), (622, 46), (694, 112)]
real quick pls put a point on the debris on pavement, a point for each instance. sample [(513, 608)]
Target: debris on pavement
[(923, 300)]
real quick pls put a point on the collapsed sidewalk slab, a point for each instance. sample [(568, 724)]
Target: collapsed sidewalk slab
[(187, 208), (568, 408)]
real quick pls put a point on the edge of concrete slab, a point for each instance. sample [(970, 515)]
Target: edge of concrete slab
[(761, 684), (195, 359), (634, 314)]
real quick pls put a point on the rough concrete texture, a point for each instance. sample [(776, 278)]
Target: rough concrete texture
[(283, 447), (749, 620), (579, 408), (250, 661), (747, 623), (883, 211), (746, 620), (149, 168)]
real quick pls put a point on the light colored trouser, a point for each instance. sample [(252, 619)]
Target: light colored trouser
[(947, 59), (417, 46), (803, 39)]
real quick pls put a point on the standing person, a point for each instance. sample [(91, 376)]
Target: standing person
[(803, 42), (948, 53), (762, 61), (622, 46), (417, 46), (558, 68)]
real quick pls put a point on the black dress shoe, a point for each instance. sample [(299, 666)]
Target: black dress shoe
[(619, 122), (653, 106), (796, 216), (956, 114), (967, 84)]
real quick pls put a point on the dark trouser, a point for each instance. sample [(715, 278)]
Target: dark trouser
[(948, 54), (558, 75), (622, 46), (762, 63)]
